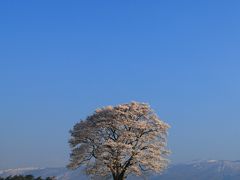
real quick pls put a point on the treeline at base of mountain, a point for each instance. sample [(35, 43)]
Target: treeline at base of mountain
[(27, 177)]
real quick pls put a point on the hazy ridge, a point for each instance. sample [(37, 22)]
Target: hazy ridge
[(195, 170)]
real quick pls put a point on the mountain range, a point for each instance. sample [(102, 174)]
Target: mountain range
[(195, 170)]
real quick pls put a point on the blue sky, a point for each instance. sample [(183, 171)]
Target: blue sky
[(60, 60)]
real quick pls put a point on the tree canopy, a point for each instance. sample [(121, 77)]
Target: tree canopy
[(118, 141)]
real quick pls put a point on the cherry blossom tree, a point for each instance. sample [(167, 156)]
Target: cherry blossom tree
[(118, 141)]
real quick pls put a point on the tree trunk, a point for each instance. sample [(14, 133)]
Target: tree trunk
[(118, 177)]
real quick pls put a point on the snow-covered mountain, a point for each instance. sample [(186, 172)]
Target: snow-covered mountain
[(203, 170), (60, 173), (195, 170)]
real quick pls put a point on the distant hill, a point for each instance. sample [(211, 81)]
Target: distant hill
[(203, 170), (195, 170), (60, 173)]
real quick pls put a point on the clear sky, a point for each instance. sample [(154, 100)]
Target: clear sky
[(60, 60)]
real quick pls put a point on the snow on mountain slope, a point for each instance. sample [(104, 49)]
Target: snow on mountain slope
[(60, 173), (204, 170)]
